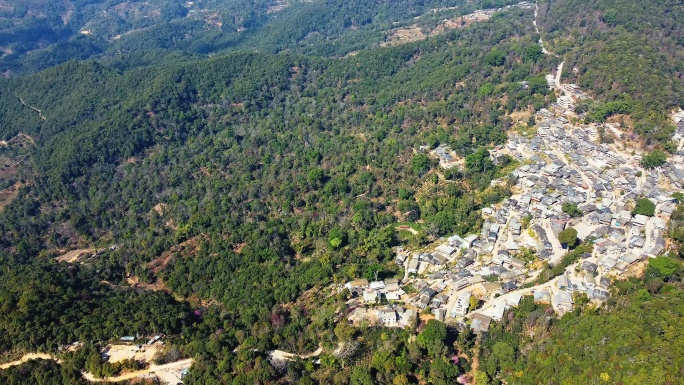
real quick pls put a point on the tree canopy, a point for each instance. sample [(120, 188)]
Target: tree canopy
[(653, 159), (644, 206), (571, 209), (568, 237)]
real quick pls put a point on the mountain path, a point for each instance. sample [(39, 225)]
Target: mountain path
[(40, 113), (29, 357), (155, 369)]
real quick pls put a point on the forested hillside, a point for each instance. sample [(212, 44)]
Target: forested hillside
[(37, 34), (45, 305), (623, 51), (261, 125), (246, 179), (635, 339), (224, 163)]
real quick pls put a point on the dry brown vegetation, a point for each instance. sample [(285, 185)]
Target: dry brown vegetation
[(278, 6), (158, 285), (74, 256), (414, 32), (187, 248)]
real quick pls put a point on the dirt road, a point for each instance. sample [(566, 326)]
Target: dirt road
[(169, 372), (29, 357), (285, 356), (178, 365)]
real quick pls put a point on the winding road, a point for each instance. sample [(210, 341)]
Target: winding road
[(40, 113), (29, 357), (545, 51), (131, 375), (164, 372)]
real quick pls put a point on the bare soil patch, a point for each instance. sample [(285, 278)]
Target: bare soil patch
[(158, 285), (28, 357), (159, 209), (520, 116), (238, 248), (637, 270), (407, 228), (8, 195), (413, 32), (278, 6), (74, 256), (404, 35), (167, 373), (187, 248), (361, 315), (118, 353)]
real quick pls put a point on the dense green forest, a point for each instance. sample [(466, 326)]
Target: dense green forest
[(278, 154), (241, 157), (247, 180), (635, 338), (45, 304), (628, 53), (44, 372), (36, 34)]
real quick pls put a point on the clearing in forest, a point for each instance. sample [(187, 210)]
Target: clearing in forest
[(75, 255), (118, 353)]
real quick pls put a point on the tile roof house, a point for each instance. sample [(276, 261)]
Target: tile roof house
[(391, 284), (480, 323), (589, 266), (496, 311), (370, 296), (440, 314), (562, 301), (542, 296), (640, 220), (413, 266), (357, 283), (462, 305), (445, 250), (509, 286), (388, 317), (598, 293)]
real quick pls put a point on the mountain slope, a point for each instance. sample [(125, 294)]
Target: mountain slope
[(259, 161), (623, 51)]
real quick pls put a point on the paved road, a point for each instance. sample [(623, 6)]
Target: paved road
[(559, 71), (558, 251), (650, 242), (453, 297), (551, 285)]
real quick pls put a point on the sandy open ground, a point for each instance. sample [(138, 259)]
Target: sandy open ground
[(74, 255), (28, 357), (117, 353), (167, 373)]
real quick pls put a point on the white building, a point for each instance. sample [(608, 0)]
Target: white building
[(462, 305)]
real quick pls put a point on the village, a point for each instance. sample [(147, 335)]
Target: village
[(568, 179)]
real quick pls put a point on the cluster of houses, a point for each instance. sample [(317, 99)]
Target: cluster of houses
[(389, 292), (565, 163), (150, 341), (393, 315), (480, 276), (559, 293), (375, 291), (445, 155)]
